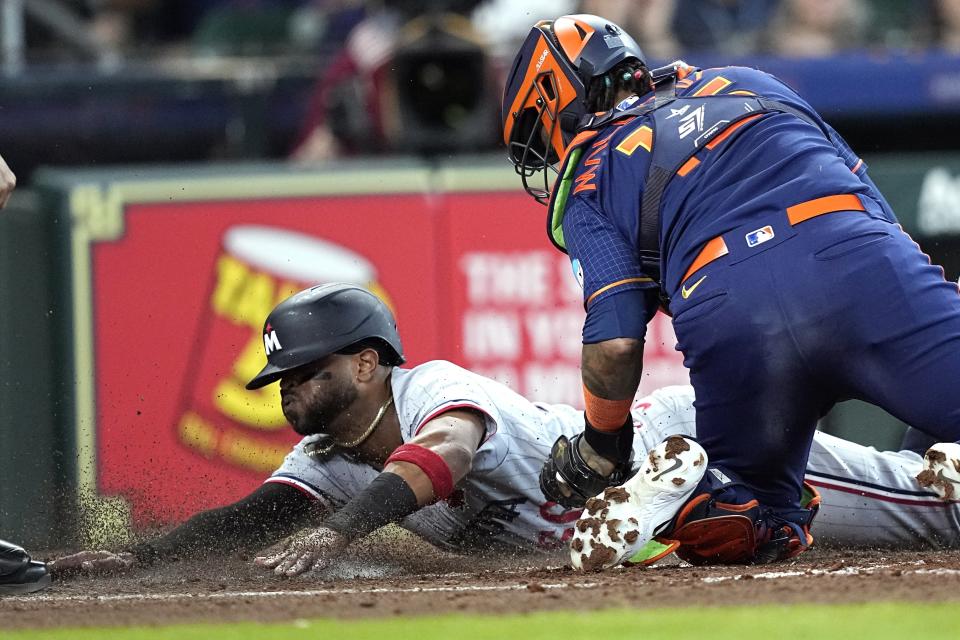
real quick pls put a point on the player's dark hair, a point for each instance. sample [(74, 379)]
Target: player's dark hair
[(630, 75)]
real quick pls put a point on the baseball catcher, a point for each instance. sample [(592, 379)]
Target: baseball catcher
[(722, 197)]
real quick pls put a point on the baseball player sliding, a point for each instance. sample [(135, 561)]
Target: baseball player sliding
[(721, 196), (455, 457)]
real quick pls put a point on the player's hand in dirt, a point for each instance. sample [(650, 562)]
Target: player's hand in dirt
[(92, 563), (302, 553)]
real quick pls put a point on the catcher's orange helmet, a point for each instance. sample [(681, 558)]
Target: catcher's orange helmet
[(545, 95)]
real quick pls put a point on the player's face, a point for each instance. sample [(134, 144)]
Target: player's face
[(315, 395)]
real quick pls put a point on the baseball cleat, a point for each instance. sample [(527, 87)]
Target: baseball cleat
[(941, 470), (18, 573), (622, 520)]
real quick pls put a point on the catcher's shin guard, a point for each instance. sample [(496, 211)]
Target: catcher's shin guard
[(568, 480), (18, 573), (724, 524)]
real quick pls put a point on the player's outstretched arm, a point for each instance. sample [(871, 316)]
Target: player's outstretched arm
[(416, 474), (454, 438), (264, 517)]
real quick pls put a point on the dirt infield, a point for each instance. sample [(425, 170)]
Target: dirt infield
[(412, 579)]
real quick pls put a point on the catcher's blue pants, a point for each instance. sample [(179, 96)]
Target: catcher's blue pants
[(840, 306)]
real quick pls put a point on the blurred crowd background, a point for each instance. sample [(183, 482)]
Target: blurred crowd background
[(117, 31), (121, 81)]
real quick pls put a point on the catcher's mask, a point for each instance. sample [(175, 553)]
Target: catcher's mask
[(319, 321), (545, 95)]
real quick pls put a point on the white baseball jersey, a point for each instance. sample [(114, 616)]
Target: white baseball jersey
[(869, 497)]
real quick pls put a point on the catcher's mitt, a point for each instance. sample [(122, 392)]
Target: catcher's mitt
[(568, 480)]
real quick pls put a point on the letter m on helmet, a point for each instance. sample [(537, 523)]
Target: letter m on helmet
[(271, 342)]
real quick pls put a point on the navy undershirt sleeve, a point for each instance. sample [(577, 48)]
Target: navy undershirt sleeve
[(624, 314)]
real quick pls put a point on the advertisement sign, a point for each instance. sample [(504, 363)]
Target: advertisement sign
[(516, 306)]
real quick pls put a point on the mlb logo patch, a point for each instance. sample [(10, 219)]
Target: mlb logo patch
[(758, 237)]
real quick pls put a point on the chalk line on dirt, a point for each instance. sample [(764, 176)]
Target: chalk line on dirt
[(220, 595), (533, 585)]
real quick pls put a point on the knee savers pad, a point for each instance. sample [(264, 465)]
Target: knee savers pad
[(724, 524)]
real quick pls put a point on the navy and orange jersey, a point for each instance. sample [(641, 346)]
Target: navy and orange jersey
[(761, 165)]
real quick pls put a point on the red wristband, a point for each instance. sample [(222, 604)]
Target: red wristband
[(432, 465)]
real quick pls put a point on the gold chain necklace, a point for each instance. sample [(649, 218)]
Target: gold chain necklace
[(325, 449)]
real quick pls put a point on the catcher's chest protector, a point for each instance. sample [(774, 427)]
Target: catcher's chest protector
[(681, 128)]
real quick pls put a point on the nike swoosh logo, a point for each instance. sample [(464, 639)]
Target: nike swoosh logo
[(676, 465), (685, 292)]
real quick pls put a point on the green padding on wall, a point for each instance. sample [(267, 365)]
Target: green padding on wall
[(30, 406)]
